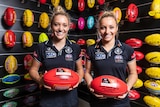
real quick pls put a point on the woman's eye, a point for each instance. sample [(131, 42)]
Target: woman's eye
[(111, 27), (65, 25), (55, 24), (102, 27)]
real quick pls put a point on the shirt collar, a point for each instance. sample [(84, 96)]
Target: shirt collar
[(50, 42), (117, 44)]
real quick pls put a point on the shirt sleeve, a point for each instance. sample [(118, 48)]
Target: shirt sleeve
[(88, 53), (131, 54), (38, 53), (78, 51)]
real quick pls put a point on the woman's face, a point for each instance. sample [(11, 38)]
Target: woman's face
[(108, 28), (60, 26)]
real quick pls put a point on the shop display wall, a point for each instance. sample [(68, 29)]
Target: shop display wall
[(143, 26), (24, 92)]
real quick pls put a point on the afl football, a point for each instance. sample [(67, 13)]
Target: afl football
[(61, 78)]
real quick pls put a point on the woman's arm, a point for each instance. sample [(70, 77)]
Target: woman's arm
[(87, 76), (33, 72), (132, 77), (79, 69)]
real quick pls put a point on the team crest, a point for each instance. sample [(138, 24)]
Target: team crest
[(68, 49), (118, 51)]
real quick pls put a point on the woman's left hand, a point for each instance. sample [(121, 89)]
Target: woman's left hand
[(121, 96), (75, 86)]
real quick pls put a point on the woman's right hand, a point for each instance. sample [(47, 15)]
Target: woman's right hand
[(42, 84), (95, 94), (49, 88)]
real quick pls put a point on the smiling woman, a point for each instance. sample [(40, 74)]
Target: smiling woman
[(55, 53), (110, 57)]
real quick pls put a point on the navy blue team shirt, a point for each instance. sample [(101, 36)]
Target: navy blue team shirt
[(51, 58), (112, 63)]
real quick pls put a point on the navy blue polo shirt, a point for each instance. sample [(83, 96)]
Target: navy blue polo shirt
[(112, 63), (51, 58)]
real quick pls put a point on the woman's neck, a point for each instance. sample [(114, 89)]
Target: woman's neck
[(59, 44), (108, 45)]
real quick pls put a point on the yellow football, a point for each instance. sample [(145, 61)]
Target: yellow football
[(90, 42), (27, 39), (44, 20), (152, 101), (28, 18), (153, 72), (153, 86), (155, 9), (153, 39), (55, 3), (68, 4), (153, 57), (90, 3), (118, 14), (11, 64), (138, 84)]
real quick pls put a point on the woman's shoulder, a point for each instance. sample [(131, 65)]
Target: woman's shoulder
[(91, 48), (41, 45), (126, 46), (73, 44)]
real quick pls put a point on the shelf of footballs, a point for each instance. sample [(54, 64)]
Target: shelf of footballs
[(16, 89), (137, 32)]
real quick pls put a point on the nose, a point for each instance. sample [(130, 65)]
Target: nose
[(60, 27), (106, 30)]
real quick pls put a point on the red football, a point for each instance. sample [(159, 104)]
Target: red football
[(101, 2), (139, 69), (134, 42), (9, 39), (81, 5), (132, 12), (42, 1), (61, 78), (72, 25), (28, 59), (108, 85), (81, 42), (139, 55), (133, 95), (10, 16)]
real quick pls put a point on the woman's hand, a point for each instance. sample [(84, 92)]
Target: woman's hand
[(49, 88), (121, 96), (100, 96), (75, 86), (42, 84), (97, 95)]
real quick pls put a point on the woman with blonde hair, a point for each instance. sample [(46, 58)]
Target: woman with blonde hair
[(58, 51), (110, 57)]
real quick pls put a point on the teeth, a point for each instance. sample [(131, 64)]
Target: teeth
[(60, 33), (108, 35)]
